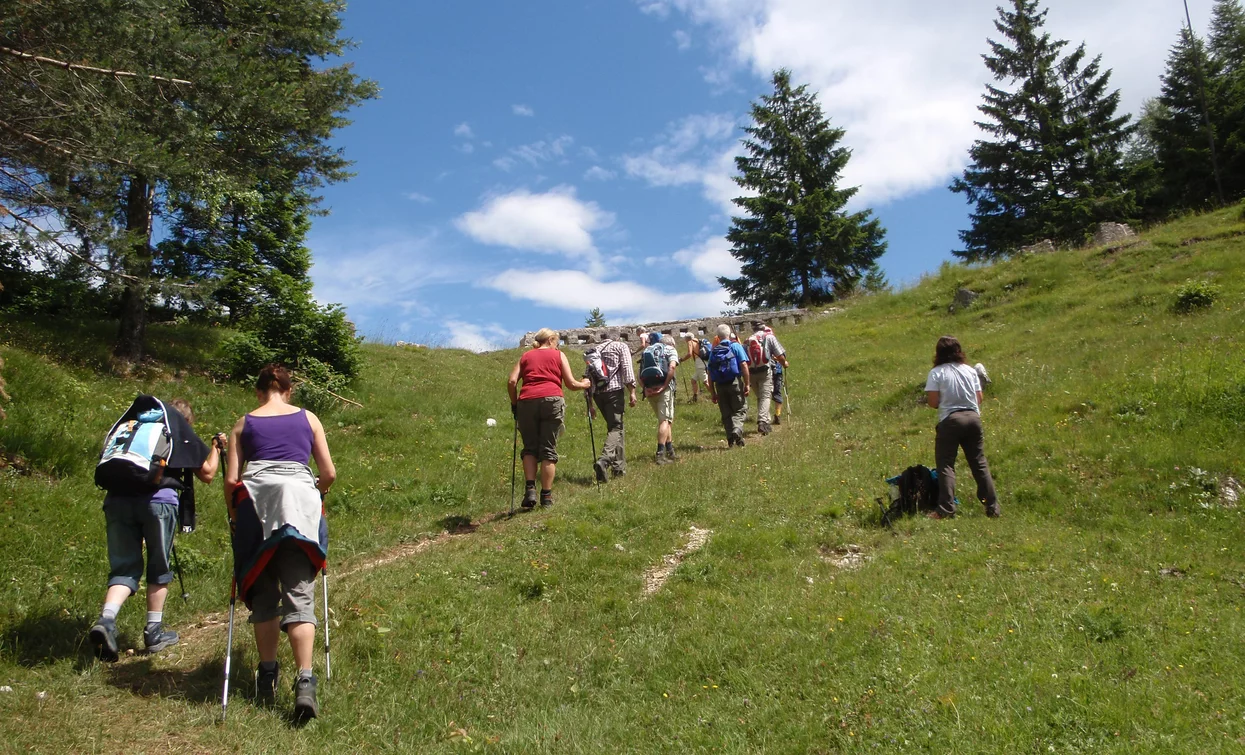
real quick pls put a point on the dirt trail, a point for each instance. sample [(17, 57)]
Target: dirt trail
[(655, 578)]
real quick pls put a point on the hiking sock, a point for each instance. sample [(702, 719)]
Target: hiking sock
[(660, 448), (546, 498), (155, 617), (303, 673), (268, 666), (530, 485), (670, 450), (110, 611)]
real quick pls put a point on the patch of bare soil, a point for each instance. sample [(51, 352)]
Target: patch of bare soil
[(655, 578), (844, 557)]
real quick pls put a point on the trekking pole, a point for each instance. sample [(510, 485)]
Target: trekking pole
[(328, 666), (514, 463), (591, 433), (177, 566), (786, 390), (233, 601)]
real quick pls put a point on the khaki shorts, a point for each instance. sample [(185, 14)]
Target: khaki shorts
[(285, 588), (540, 424), (701, 376), (663, 405)]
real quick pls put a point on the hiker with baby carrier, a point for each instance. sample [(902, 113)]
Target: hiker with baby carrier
[(539, 411), (764, 353), (608, 368), (657, 373), (729, 380), (279, 532), (150, 459), (954, 389)]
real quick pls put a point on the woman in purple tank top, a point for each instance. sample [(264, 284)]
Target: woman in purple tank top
[(281, 510)]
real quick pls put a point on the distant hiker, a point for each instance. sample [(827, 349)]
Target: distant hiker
[(728, 384), (280, 539), (149, 461), (608, 396), (695, 347), (657, 373), (539, 409), (780, 387), (764, 351), (954, 389)]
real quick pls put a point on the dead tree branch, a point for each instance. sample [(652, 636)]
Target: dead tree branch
[(93, 69)]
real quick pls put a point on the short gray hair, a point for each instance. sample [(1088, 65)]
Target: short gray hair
[(724, 332)]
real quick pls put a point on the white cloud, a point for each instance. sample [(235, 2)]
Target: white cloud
[(624, 301), (415, 196), (904, 77), (682, 39), (659, 8), (708, 260), (464, 131), (505, 163), (466, 148), (522, 110), (555, 222), (478, 338), (536, 153), (699, 149), (387, 269), (597, 173)]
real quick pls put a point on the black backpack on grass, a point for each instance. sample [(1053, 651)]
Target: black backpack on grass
[(915, 490)]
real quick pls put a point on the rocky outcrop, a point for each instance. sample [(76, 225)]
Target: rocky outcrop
[(963, 300), (578, 338), (1112, 233), (1045, 246)]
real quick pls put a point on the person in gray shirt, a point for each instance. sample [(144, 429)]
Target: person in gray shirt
[(954, 389)]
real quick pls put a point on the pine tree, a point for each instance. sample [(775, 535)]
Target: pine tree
[(1181, 143), (595, 319), (1226, 47), (796, 241), (1052, 166)]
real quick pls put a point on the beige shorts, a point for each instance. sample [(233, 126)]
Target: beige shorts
[(663, 405), (701, 376)]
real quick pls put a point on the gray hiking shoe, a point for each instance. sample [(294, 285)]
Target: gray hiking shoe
[(546, 500), (305, 706), (104, 639), (529, 498), (266, 685), (599, 468), (764, 428), (777, 420), (157, 638), (661, 458), (994, 511)]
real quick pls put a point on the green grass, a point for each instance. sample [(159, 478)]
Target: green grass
[(1051, 629)]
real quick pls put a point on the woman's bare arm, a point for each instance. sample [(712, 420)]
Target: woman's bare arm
[(320, 452), (233, 471), (568, 377)]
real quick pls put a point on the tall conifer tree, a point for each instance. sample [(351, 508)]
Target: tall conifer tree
[(1226, 45), (796, 241), (1052, 165), (1181, 143)]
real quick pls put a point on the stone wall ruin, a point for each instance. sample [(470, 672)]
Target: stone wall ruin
[(580, 338)]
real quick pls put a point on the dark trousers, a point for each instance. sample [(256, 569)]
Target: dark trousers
[(962, 430), (734, 409), (611, 406)]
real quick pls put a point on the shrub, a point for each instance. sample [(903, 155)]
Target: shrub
[(315, 381), (244, 355), (1194, 295)]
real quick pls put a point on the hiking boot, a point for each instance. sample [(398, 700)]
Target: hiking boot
[(529, 499), (777, 420), (740, 441), (266, 685), (616, 473), (305, 707), (599, 468), (546, 500), (104, 639), (994, 511), (660, 458), (670, 457), (157, 638), (764, 428)]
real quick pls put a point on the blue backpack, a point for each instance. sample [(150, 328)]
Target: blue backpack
[(706, 349), (654, 365), (724, 364)]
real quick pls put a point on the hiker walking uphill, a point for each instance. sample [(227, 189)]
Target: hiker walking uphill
[(657, 372), (697, 353), (764, 352), (613, 373), (148, 466), (954, 389), (280, 540), (728, 384), (539, 409)]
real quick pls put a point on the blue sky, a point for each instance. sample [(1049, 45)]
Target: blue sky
[(530, 160)]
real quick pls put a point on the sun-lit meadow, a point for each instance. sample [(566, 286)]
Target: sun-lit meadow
[(1101, 613)]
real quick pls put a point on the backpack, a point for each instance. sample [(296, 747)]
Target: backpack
[(706, 349), (756, 352), (136, 453), (914, 490), (597, 371), (724, 364), (654, 365)]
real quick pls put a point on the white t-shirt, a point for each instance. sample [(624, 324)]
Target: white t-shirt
[(957, 386)]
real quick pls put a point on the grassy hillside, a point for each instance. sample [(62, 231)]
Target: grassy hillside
[(1101, 613)]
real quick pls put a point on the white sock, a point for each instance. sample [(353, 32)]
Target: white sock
[(155, 617), (110, 611)]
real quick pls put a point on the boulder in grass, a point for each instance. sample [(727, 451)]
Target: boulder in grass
[(1112, 233), (964, 299), (1045, 246)]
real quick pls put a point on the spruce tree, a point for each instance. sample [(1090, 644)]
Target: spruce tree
[(1052, 165), (1181, 143), (1226, 44), (795, 239)]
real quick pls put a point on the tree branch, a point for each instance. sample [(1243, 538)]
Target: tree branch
[(104, 71)]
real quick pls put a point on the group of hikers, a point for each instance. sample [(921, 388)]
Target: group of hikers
[(728, 370), (276, 502)]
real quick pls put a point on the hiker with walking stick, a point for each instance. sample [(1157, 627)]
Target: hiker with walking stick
[(148, 465), (280, 538), (610, 371), (539, 410)]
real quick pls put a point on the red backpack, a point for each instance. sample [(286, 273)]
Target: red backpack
[(756, 351)]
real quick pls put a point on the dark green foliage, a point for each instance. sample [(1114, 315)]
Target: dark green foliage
[(244, 355), (796, 241), (1226, 44), (595, 319), (1181, 143), (1194, 295), (1051, 166)]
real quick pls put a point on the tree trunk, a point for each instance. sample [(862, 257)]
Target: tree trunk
[(806, 299), (132, 332)]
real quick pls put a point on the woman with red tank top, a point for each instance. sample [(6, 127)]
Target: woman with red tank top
[(538, 408)]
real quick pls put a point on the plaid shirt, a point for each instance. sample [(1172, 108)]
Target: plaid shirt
[(617, 358)]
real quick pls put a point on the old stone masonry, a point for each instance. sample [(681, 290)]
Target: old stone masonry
[(680, 329)]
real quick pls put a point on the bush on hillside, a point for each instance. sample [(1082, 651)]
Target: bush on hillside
[(245, 355), (1194, 295), (316, 382)]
